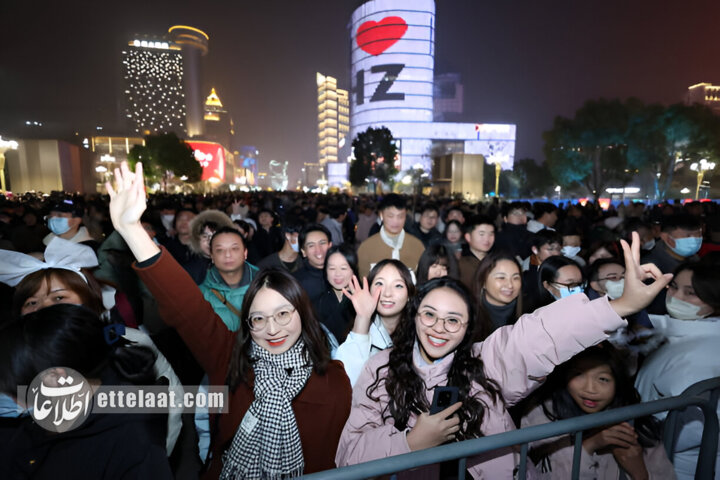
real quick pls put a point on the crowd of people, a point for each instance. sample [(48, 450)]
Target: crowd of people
[(335, 321)]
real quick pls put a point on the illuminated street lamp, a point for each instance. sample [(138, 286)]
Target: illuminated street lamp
[(701, 167), (5, 145)]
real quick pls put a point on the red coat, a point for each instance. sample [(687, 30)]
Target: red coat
[(321, 408)]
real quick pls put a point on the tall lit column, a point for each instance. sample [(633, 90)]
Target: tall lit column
[(194, 44), (5, 145)]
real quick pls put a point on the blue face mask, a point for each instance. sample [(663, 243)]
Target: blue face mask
[(686, 247), (567, 291), (58, 225)]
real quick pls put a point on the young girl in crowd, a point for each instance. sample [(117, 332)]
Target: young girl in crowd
[(104, 446), (454, 237), (692, 332), (379, 305), (498, 288), (288, 401), (433, 347), (593, 381), (334, 309), (437, 261)]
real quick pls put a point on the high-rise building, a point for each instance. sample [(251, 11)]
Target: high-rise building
[(161, 82), (333, 120), (704, 94), (218, 124)]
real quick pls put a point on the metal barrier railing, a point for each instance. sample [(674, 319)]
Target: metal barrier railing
[(575, 426)]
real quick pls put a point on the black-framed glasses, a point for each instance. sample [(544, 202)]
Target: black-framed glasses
[(281, 317), (570, 285), (430, 318)]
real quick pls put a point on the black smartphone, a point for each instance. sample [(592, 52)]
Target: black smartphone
[(443, 397)]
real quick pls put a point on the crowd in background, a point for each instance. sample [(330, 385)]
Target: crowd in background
[(392, 295)]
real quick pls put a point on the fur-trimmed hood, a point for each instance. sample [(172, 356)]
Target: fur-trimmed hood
[(196, 225)]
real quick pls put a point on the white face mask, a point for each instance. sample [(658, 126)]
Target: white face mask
[(295, 246), (681, 309), (167, 221), (614, 288), (570, 252), (649, 245)]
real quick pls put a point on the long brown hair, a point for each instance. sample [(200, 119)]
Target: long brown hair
[(90, 292), (315, 350), (486, 266)]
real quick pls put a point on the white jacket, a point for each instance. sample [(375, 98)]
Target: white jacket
[(689, 356), (358, 348)]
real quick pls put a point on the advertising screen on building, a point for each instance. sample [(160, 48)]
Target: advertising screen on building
[(211, 156)]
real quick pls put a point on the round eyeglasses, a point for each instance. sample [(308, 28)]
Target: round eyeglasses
[(430, 318), (282, 317)]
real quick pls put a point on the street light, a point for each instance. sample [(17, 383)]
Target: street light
[(5, 145), (701, 167)]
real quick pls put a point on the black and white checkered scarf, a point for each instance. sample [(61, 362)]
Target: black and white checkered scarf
[(267, 442)]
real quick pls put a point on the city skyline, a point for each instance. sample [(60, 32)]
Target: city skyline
[(521, 64)]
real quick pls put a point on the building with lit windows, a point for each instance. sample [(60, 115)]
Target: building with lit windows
[(333, 121), (705, 94), (162, 82)]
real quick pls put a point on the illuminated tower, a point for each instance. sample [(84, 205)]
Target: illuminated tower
[(218, 124), (333, 120), (153, 80), (194, 45)]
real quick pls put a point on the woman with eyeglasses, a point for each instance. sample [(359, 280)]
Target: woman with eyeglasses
[(558, 277), (288, 401), (433, 347)]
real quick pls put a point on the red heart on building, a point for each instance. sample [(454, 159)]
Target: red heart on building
[(376, 37)]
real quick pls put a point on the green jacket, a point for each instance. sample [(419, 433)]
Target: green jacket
[(227, 296)]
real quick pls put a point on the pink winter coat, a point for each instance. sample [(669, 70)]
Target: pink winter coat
[(517, 357)]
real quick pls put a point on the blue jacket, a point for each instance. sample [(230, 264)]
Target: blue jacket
[(227, 295)]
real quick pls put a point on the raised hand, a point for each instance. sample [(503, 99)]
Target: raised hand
[(127, 198), (365, 303), (433, 430), (636, 294), (127, 204)]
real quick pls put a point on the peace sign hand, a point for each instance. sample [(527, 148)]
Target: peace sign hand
[(637, 295)]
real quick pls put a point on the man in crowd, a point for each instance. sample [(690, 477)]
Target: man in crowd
[(65, 221), (514, 237), (426, 229), (268, 238), (314, 242), (545, 244), (680, 240), (546, 216), (480, 238), (391, 241), (179, 236), (288, 257), (334, 223)]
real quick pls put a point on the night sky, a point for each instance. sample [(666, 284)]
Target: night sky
[(521, 62)]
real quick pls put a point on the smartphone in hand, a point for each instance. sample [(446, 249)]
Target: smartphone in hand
[(443, 397)]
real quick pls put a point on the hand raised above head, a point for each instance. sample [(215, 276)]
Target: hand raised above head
[(637, 294), (127, 198), (364, 301)]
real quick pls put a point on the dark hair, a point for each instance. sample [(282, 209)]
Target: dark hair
[(90, 292), (69, 336), (548, 272), (315, 350), (455, 207), (705, 281), (509, 207), (392, 200), (291, 227), (402, 270), (429, 207), (545, 237), (681, 221), (407, 391), (437, 254), (487, 264), (541, 208), (312, 227), (336, 210), (223, 230), (594, 269), (177, 214), (347, 252), (475, 221), (563, 406)]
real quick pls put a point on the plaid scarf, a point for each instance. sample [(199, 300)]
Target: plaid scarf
[(267, 443)]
